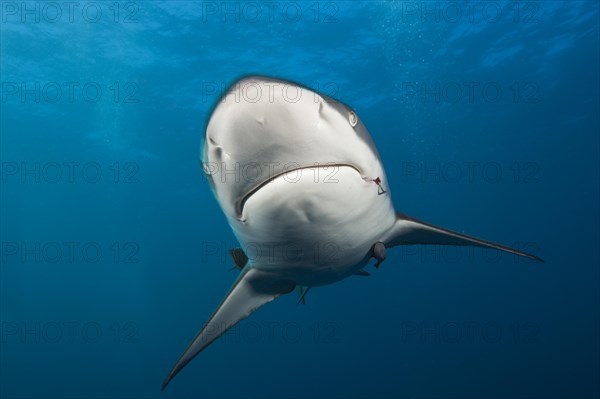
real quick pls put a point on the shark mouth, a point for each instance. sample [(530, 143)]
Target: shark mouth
[(240, 205)]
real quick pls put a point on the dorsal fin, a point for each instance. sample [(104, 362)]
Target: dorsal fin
[(239, 257)]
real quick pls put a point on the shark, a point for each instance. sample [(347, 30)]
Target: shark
[(302, 186)]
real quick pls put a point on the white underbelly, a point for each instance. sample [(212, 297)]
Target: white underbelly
[(314, 226)]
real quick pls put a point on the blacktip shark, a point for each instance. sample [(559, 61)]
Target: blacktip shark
[(303, 188)]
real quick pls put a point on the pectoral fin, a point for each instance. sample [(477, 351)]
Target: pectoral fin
[(252, 289), (410, 231)]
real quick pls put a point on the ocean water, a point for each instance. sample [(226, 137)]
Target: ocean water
[(114, 250)]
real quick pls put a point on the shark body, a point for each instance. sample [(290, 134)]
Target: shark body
[(302, 185)]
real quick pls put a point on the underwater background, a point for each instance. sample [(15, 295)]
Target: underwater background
[(115, 252)]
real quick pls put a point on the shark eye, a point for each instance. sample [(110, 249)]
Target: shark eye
[(352, 118)]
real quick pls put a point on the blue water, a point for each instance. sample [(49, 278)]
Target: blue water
[(114, 251)]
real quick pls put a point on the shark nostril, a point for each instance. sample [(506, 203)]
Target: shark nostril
[(219, 152)]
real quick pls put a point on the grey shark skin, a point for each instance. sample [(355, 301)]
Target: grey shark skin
[(304, 190)]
